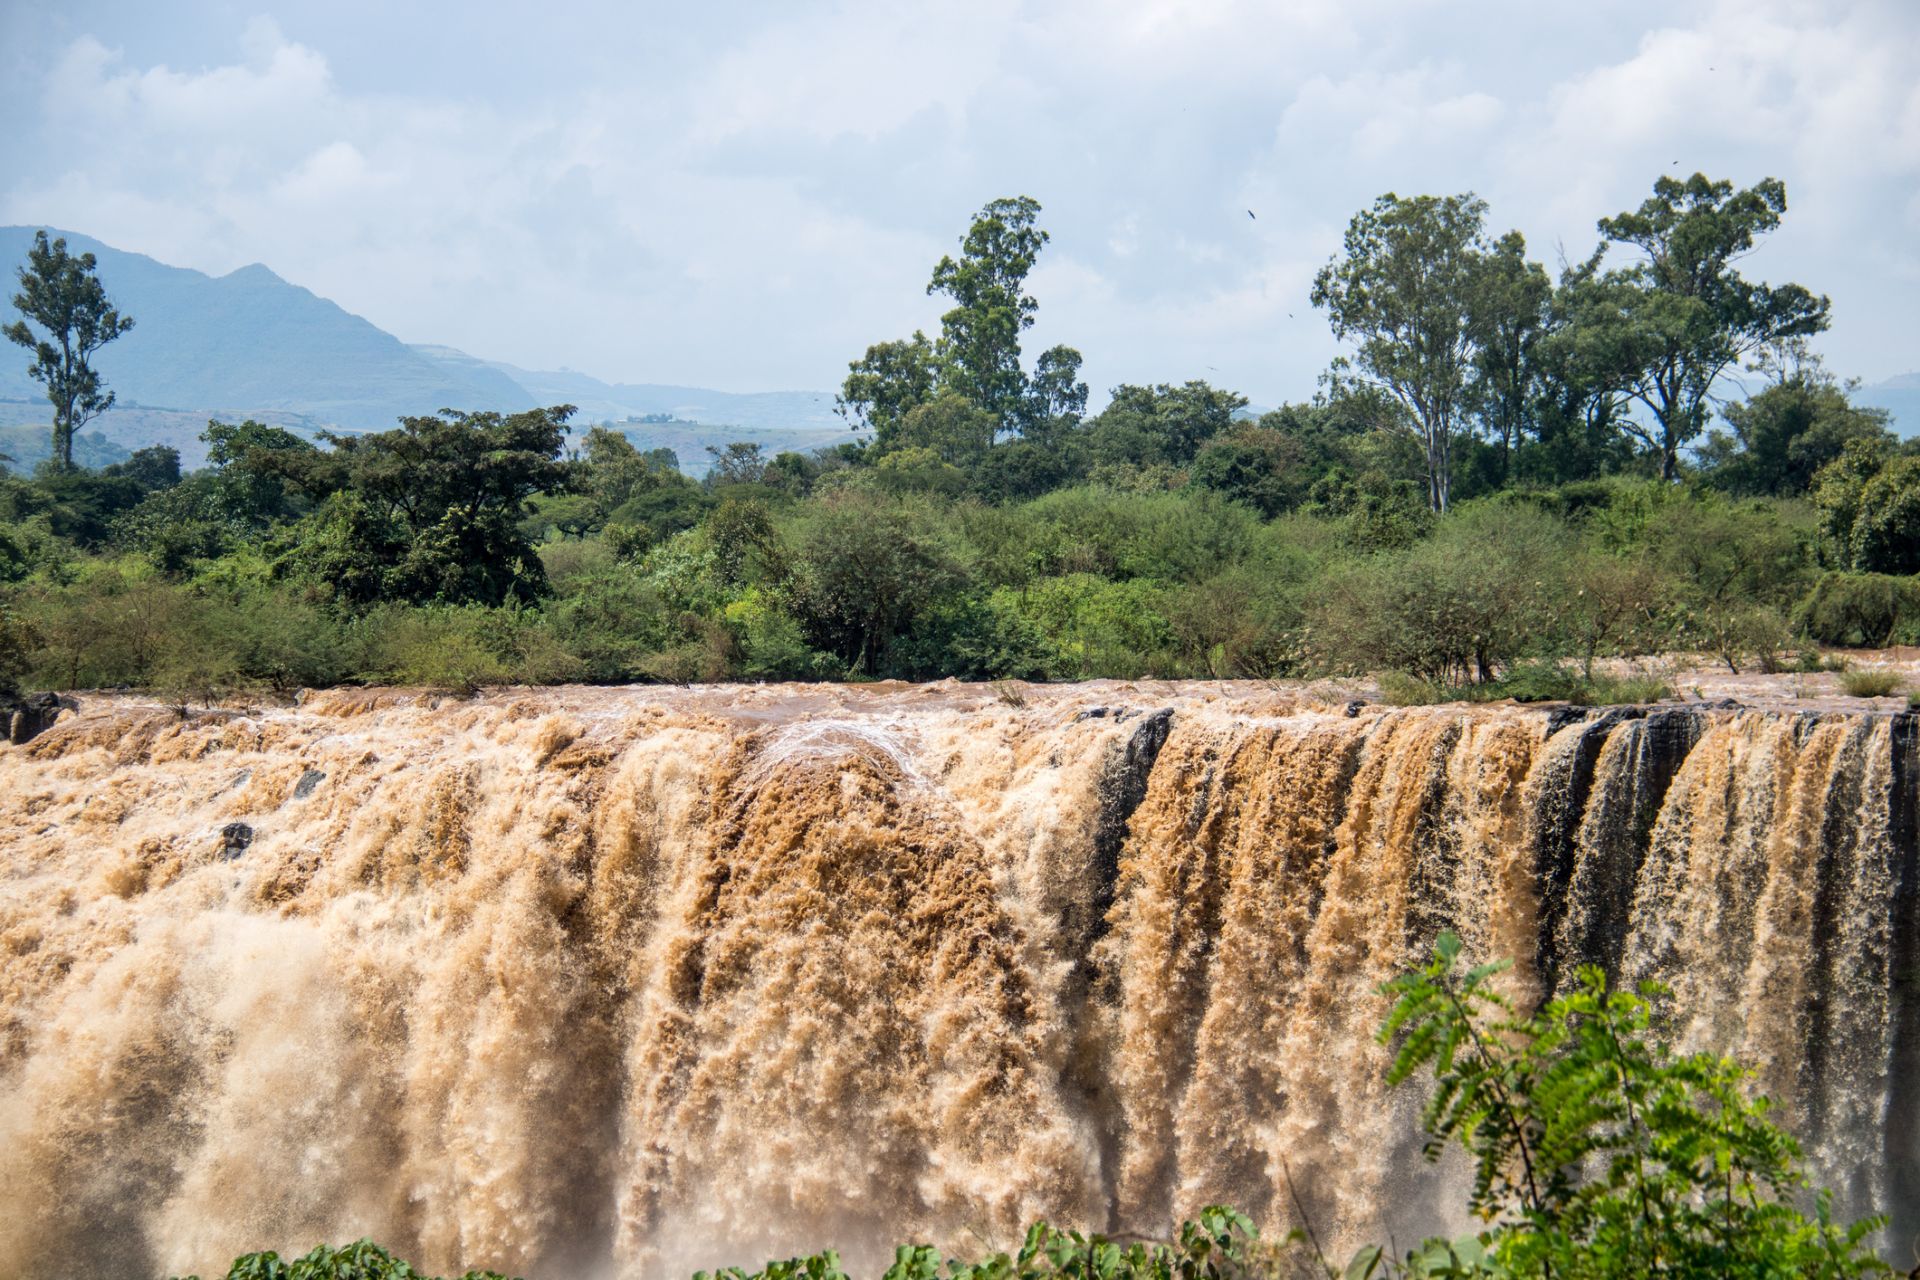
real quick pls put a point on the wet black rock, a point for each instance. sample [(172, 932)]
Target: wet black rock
[(28, 715), (234, 839)]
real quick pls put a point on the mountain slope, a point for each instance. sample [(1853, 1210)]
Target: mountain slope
[(250, 341), (1899, 396), (598, 400)]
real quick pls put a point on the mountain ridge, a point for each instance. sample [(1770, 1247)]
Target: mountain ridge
[(251, 343)]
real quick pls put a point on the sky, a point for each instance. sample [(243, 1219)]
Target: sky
[(745, 195)]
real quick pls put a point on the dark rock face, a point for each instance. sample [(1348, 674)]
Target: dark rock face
[(1123, 785), (234, 839), (29, 715), (308, 781)]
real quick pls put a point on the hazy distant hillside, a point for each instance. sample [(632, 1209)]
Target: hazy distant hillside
[(26, 433), (249, 344), (689, 440), (249, 341), (602, 401), (26, 447), (1899, 396)]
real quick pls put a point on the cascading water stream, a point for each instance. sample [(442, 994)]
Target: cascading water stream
[(624, 983)]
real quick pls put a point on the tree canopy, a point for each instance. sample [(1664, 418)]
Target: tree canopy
[(65, 319), (1682, 315)]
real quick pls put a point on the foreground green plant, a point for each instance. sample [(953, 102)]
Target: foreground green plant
[(361, 1260), (1222, 1244), (1596, 1150)]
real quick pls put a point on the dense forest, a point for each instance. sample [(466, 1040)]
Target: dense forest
[(1512, 473)]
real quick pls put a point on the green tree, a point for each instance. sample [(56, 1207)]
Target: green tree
[(155, 467), (429, 511), (1598, 1151), (60, 294), (1869, 501), (977, 356), (952, 427), (1786, 433), (1055, 395), (1405, 288), (1162, 424), (1514, 315), (1683, 315), (865, 572), (1257, 465), (884, 385), (252, 489), (736, 462), (1579, 394), (980, 334)]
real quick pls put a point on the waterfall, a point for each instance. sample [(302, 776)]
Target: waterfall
[(629, 982)]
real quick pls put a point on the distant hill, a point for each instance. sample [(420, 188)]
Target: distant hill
[(249, 344), (1899, 396), (611, 401), (690, 440), (118, 432), (28, 446)]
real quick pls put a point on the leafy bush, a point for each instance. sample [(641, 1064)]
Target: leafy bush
[(13, 651), (1871, 682), (1528, 682), (462, 647), (361, 1260), (1457, 607), (1861, 610), (1097, 627), (1597, 1151), (1220, 1245)]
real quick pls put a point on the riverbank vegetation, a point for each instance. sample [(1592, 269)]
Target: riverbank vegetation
[(1513, 475), (1597, 1151)]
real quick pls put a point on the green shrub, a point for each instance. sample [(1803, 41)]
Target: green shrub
[(772, 645), (1871, 682), (1603, 691), (1097, 627), (462, 647), (1597, 1150), (361, 1260), (1220, 1245), (13, 650), (979, 638), (1528, 682), (1242, 623), (1861, 610), (1455, 608)]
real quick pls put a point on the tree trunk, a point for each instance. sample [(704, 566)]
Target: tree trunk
[(1439, 474)]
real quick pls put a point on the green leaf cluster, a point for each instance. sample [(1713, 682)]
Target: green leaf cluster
[(1597, 1150), (361, 1260), (1221, 1244)]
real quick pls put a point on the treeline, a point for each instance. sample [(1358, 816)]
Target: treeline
[(986, 526)]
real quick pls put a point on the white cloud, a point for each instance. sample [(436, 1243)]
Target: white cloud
[(755, 200)]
